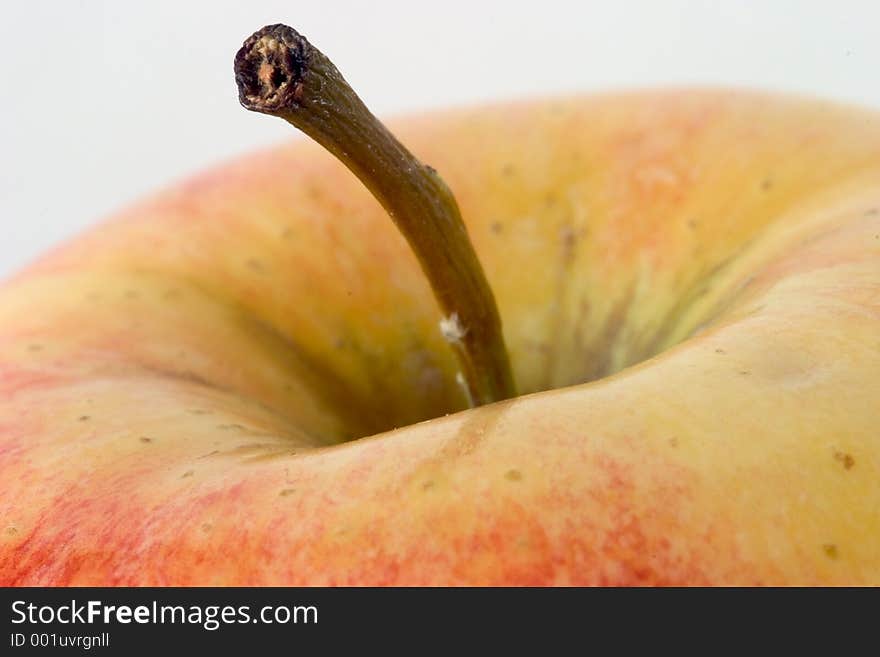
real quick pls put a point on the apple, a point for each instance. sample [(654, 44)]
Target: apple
[(241, 381)]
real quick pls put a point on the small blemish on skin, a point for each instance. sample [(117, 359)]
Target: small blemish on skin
[(872, 212), (10, 531), (766, 184), (496, 227), (207, 526), (508, 170), (720, 351), (35, 347), (692, 224), (188, 473), (428, 485), (673, 442), (287, 233), (744, 372), (226, 427), (145, 439), (568, 238), (85, 418), (286, 492), (131, 294), (255, 265), (830, 550), (513, 475), (845, 459), (199, 411)]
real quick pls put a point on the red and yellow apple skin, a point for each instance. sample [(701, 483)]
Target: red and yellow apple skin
[(177, 385)]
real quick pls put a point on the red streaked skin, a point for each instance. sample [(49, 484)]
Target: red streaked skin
[(175, 385), (469, 512)]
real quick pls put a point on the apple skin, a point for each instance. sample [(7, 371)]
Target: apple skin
[(176, 384)]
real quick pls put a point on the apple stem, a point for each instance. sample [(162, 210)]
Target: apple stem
[(280, 73)]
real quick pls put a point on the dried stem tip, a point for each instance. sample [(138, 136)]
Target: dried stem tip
[(269, 68)]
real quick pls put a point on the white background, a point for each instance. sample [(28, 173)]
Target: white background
[(92, 112)]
